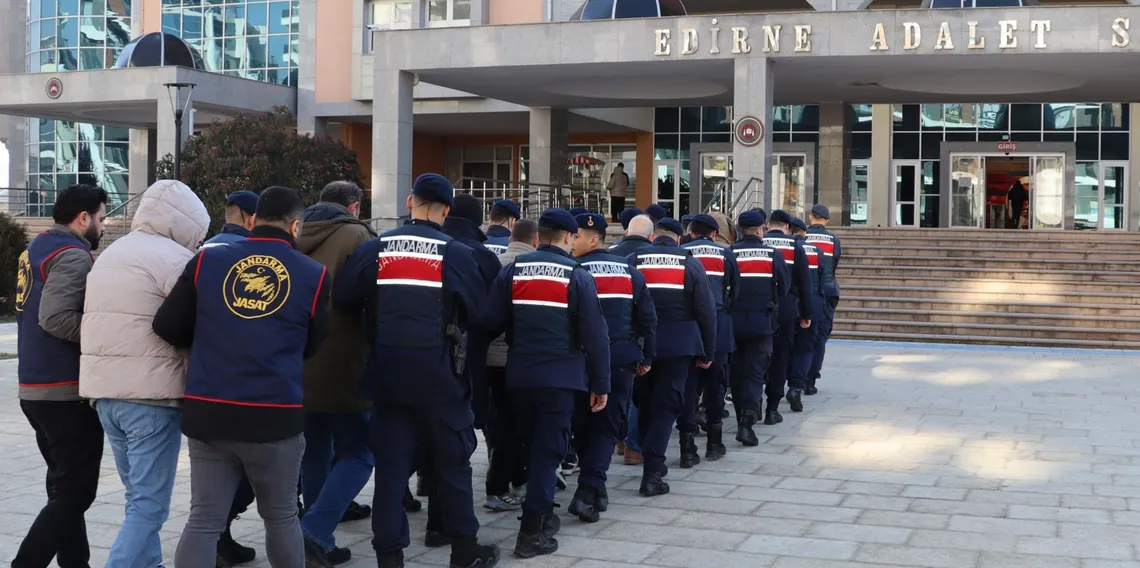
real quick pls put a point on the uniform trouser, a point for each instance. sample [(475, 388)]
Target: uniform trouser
[(599, 432), (777, 377), (710, 383), (824, 331), (749, 368), (508, 460), (660, 392), (803, 352), (396, 434), (542, 416)]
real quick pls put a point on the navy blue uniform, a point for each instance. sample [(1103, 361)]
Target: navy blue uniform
[(764, 279), (629, 245), (559, 346), (45, 360), (795, 305), (418, 288), (803, 350), (724, 280), (830, 252), (632, 322), (498, 238), (686, 332), (230, 233)]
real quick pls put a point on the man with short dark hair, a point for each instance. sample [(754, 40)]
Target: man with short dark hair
[(50, 290), (830, 253), (250, 313), (241, 206), (504, 214)]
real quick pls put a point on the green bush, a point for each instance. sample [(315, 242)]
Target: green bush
[(255, 151), (13, 241)]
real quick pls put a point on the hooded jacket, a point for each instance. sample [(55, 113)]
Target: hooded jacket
[(122, 358), (332, 375)]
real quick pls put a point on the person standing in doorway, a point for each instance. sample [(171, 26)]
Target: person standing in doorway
[(50, 289), (617, 186), (1015, 200)]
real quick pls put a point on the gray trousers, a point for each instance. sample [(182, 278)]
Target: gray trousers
[(216, 468)]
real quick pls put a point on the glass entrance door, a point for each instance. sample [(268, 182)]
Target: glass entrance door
[(789, 183), (967, 190), (666, 190), (904, 199), (1047, 194), (1101, 195), (715, 181)]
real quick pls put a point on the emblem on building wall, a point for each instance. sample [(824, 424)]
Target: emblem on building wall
[(54, 88), (749, 130)]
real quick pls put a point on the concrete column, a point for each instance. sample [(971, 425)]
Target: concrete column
[(391, 145), (882, 178), (13, 51), (141, 167), (307, 71), (752, 96), (549, 145), (834, 175), (1133, 167)]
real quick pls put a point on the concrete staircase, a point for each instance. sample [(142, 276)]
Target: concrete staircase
[(1052, 289)]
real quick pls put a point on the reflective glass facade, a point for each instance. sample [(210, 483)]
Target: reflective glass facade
[(255, 40), (70, 35)]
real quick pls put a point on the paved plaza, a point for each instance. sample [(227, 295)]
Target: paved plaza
[(911, 455)]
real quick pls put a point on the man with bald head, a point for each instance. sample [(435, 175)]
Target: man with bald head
[(637, 235)]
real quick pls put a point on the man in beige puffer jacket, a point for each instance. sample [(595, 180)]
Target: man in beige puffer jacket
[(135, 379)]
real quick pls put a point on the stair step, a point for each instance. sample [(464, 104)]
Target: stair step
[(992, 286), (889, 302), (973, 340), (1026, 295), (852, 243), (1021, 320), (1039, 275), (988, 330), (1109, 264), (1013, 254), (988, 234)]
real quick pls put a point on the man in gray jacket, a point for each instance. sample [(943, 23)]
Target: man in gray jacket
[(506, 476)]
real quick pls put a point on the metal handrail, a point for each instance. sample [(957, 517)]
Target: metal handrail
[(744, 192), (728, 200), (531, 197)]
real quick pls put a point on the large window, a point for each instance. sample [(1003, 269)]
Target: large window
[(448, 12), (976, 3), (389, 14), (255, 40)]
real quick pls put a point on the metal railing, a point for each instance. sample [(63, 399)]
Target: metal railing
[(33, 202), (533, 198), (733, 202)]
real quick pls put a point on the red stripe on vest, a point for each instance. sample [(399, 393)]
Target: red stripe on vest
[(813, 260), (789, 254), (755, 266), (541, 290), (826, 247), (410, 268), (662, 276), (712, 264), (614, 284)]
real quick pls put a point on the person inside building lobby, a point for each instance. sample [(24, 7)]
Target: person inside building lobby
[(617, 186)]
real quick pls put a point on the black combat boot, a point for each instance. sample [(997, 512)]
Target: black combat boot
[(652, 484), (795, 401), (411, 505), (394, 560), (689, 455), (436, 539), (533, 540), (230, 553), (551, 524), (466, 552), (582, 504), (714, 449), (772, 417), (744, 433), (601, 500), (810, 389), (702, 418)]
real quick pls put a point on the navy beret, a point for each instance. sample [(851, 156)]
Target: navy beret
[(669, 224), (750, 219), (656, 211), (576, 211), (509, 207), (556, 218), (780, 216), (467, 206), (435, 188), (686, 219), (820, 211), (798, 223), (626, 216), (245, 199), (592, 221), (707, 220)]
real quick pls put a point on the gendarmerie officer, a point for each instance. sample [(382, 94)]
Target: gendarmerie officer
[(830, 253), (632, 322), (418, 288), (724, 279), (241, 206), (803, 350), (795, 312), (626, 215), (502, 218), (686, 336), (686, 237), (575, 211), (763, 280), (559, 348), (637, 235)]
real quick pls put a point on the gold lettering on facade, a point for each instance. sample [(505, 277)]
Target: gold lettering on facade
[(879, 40), (772, 38), (688, 41), (912, 35), (975, 41), (803, 39), (662, 43), (1008, 38), (715, 49), (1120, 35), (945, 42), (1040, 27), (740, 41)]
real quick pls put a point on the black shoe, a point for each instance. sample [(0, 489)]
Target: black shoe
[(411, 504), (338, 556), (702, 419), (421, 486), (724, 414), (664, 470), (689, 455), (601, 500), (744, 433), (794, 400), (481, 556), (810, 388), (582, 505), (358, 512), (772, 417), (551, 524), (714, 448), (652, 485), (230, 553), (394, 560), (315, 556), (534, 544), (436, 539)]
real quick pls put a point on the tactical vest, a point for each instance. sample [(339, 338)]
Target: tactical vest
[(540, 305), (225, 237), (497, 245), (664, 271), (409, 303), (787, 247), (44, 359), (711, 256), (816, 279), (256, 300), (615, 290), (757, 282), (824, 241)]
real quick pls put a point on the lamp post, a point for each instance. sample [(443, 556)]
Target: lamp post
[(175, 91)]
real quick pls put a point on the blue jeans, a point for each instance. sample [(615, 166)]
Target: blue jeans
[(145, 440), (336, 466)]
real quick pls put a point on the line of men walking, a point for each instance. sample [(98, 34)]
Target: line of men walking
[(298, 352)]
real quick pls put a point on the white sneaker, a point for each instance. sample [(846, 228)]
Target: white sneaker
[(506, 502)]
